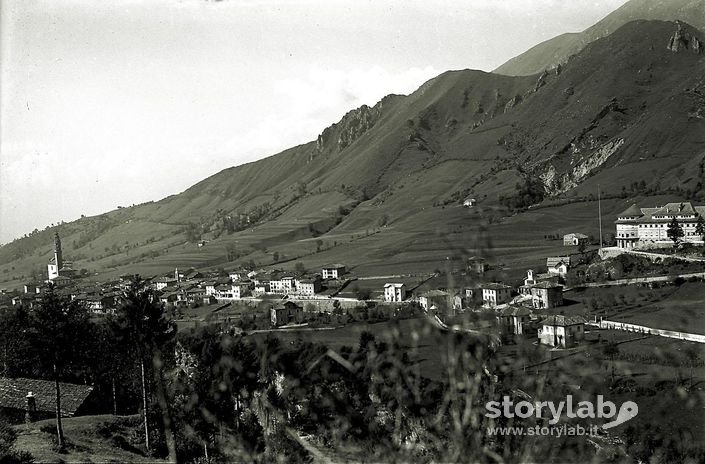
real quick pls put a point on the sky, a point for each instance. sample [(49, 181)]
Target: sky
[(107, 103)]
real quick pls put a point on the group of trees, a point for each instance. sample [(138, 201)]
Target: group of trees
[(529, 192), (676, 233), (210, 394), (123, 355)]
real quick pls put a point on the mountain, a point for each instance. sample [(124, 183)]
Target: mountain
[(555, 51), (382, 189)]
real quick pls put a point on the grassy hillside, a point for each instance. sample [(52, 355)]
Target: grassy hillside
[(555, 51), (89, 439), (382, 189)]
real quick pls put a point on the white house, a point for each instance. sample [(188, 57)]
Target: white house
[(558, 265), (562, 331), (241, 289), (308, 286), (237, 275), (494, 294), (394, 292), (574, 239), (333, 271), (210, 288)]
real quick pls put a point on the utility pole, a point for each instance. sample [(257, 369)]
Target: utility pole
[(599, 213)]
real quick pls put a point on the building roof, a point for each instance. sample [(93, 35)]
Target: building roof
[(495, 286), (632, 211), (334, 266), (515, 311), (660, 213), (557, 260), (563, 321), (435, 293), (546, 284), (397, 285), (576, 235), (13, 393)]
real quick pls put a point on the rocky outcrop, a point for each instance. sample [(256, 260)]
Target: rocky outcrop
[(683, 39), (556, 183), (514, 101), (350, 127)]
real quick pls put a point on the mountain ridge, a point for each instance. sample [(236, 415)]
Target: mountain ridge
[(557, 50), (625, 109)]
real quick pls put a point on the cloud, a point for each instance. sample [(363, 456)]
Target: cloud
[(319, 98)]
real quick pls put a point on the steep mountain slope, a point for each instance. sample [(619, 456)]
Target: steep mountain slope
[(382, 188), (555, 51)]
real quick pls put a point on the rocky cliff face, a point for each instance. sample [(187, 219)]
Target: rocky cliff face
[(684, 39), (555, 183), (353, 125)]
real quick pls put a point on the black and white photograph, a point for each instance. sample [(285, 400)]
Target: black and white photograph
[(352, 231)]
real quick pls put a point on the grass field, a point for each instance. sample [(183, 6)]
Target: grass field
[(671, 307), (96, 439)]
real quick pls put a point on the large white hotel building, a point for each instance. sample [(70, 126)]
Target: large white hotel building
[(648, 227)]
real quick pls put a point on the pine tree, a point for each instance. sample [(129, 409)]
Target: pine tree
[(143, 324), (58, 329), (675, 231), (700, 228)]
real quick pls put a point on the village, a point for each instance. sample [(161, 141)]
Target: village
[(530, 308)]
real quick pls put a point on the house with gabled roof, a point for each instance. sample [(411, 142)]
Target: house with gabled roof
[(333, 271), (494, 294), (546, 295), (562, 331), (513, 319), (24, 399), (574, 239), (558, 265), (394, 292)]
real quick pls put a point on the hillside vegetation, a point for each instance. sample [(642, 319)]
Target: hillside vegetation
[(557, 50), (382, 189)]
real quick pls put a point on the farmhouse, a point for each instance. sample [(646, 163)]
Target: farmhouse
[(308, 286), (513, 319), (288, 313), (284, 285), (241, 289), (476, 264), (333, 271), (494, 294), (558, 265), (574, 239), (546, 295), (561, 331), (224, 293), (24, 399), (160, 283), (648, 227), (441, 301), (238, 275), (394, 292)]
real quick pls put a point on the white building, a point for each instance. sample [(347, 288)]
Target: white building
[(394, 292), (558, 265), (494, 294), (333, 271), (648, 227), (574, 239), (561, 331)]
